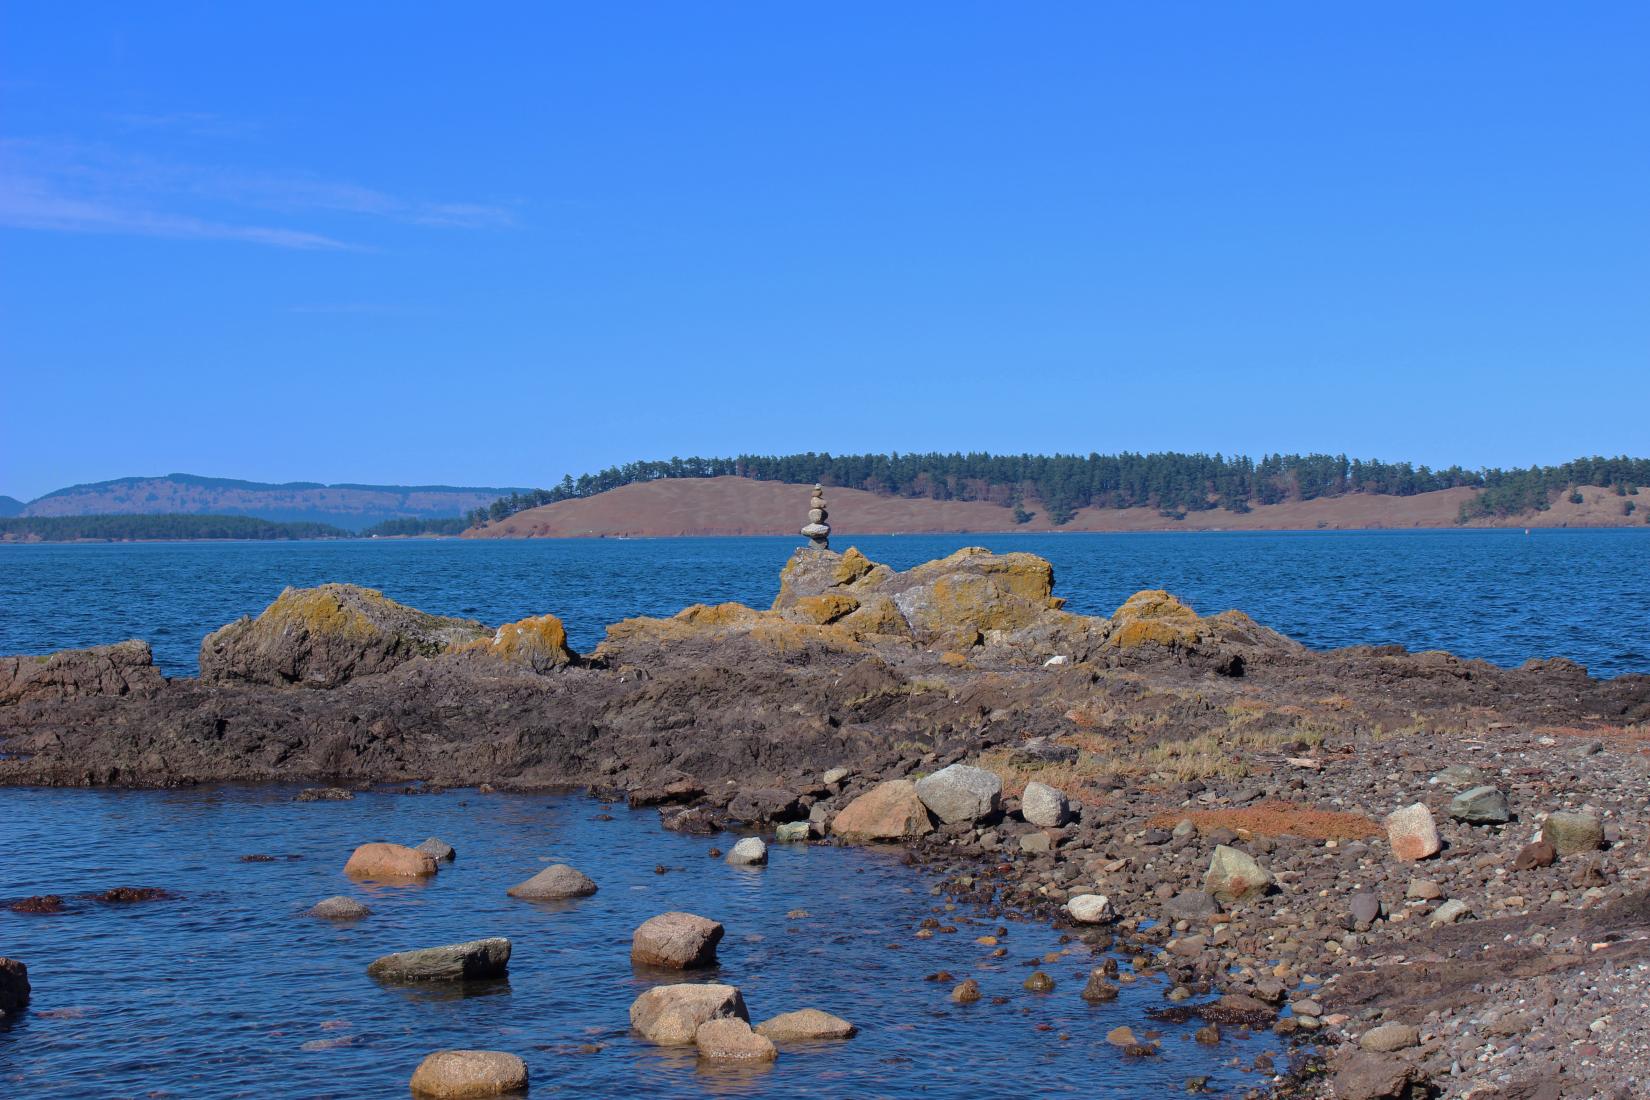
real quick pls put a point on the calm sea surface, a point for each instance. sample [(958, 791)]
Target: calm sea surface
[(229, 991), (1500, 595)]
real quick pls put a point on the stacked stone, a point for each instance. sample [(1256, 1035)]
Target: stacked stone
[(817, 530)]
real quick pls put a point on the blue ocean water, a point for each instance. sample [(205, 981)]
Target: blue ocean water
[(1500, 595), (229, 991)]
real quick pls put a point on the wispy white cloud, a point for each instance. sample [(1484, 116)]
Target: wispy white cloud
[(77, 187)]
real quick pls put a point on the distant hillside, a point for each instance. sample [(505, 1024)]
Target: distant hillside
[(744, 506), (10, 506), (350, 506)]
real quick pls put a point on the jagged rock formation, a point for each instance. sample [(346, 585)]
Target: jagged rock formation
[(322, 637), (125, 668)]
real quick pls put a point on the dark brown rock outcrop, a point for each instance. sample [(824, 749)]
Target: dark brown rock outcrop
[(125, 668)]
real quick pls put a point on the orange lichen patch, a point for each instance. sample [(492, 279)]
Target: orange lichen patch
[(722, 614), (1271, 818), (322, 611), (1602, 731), (1335, 702), (954, 660), (1154, 617), (827, 608), (852, 567), (539, 643), (878, 615)]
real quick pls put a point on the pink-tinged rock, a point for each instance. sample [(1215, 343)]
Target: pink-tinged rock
[(1412, 833), (462, 1074), (729, 1039), (888, 811), (389, 861), (678, 941)]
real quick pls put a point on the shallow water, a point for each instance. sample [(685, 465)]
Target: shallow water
[(229, 991), (1500, 595)]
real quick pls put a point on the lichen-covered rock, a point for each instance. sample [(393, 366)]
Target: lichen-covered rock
[(326, 636), (538, 643), (888, 811), (1480, 806), (1412, 833), (380, 860), (806, 1025), (960, 793), (554, 883), (678, 941), (670, 1015), (1234, 876), (1154, 617), (730, 1039), (471, 961), (125, 668), (463, 1074)]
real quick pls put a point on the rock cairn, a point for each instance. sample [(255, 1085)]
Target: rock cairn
[(817, 530)]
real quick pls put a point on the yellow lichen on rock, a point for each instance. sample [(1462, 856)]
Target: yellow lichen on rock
[(852, 567), (538, 643), (877, 615), (819, 610), (1154, 617)]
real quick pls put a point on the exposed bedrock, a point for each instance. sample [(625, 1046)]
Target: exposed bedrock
[(855, 665)]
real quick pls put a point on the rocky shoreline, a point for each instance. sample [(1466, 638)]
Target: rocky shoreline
[(1226, 793)]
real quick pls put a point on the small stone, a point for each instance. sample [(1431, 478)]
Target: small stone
[(1364, 908), (749, 852), (1091, 909), (966, 992), (556, 882), (670, 1015), (1036, 842), (460, 1074), (834, 776), (1098, 990), (339, 907), (1390, 1037), (1480, 806), (1234, 876), (1122, 1037), (471, 961), (792, 832), (730, 1039), (1423, 890), (805, 1026), (1570, 833), (676, 940), (1535, 854), (1039, 983), (1412, 833), (1044, 805), (1451, 911), (437, 849)]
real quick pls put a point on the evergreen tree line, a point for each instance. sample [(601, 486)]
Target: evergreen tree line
[(1173, 483), (415, 525), (67, 528)]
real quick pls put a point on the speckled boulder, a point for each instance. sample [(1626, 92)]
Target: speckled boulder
[(554, 883), (729, 1039), (888, 811), (806, 1025), (460, 1074), (960, 793), (389, 861), (1412, 833), (1570, 833), (670, 1015), (1234, 876), (677, 941)]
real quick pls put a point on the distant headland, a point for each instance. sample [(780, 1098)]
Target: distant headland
[(870, 494)]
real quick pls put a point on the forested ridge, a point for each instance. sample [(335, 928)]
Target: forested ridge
[(157, 527), (1171, 482)]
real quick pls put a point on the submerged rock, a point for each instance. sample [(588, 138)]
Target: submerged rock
[(888, 811), (379, 860), (339, 907), (460, 1074), (670, 1015), (806, 1025), (792, 832), (472, 961), (326, 636), (555, 882), (960, 793), (438, 849), (678, 941), (14, 986)]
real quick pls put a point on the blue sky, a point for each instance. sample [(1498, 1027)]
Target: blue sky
[(496, 243)]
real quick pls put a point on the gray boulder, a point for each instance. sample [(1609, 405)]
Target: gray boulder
[(338, 907), (960, 793), (670, 1015), (554, 883), (475, 960), (1570, 833), (1044, 805), (1235, 876), (749, 852), (1480, 806), (438, 849)]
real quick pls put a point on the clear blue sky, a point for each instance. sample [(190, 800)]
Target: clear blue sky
[(490, 244)]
